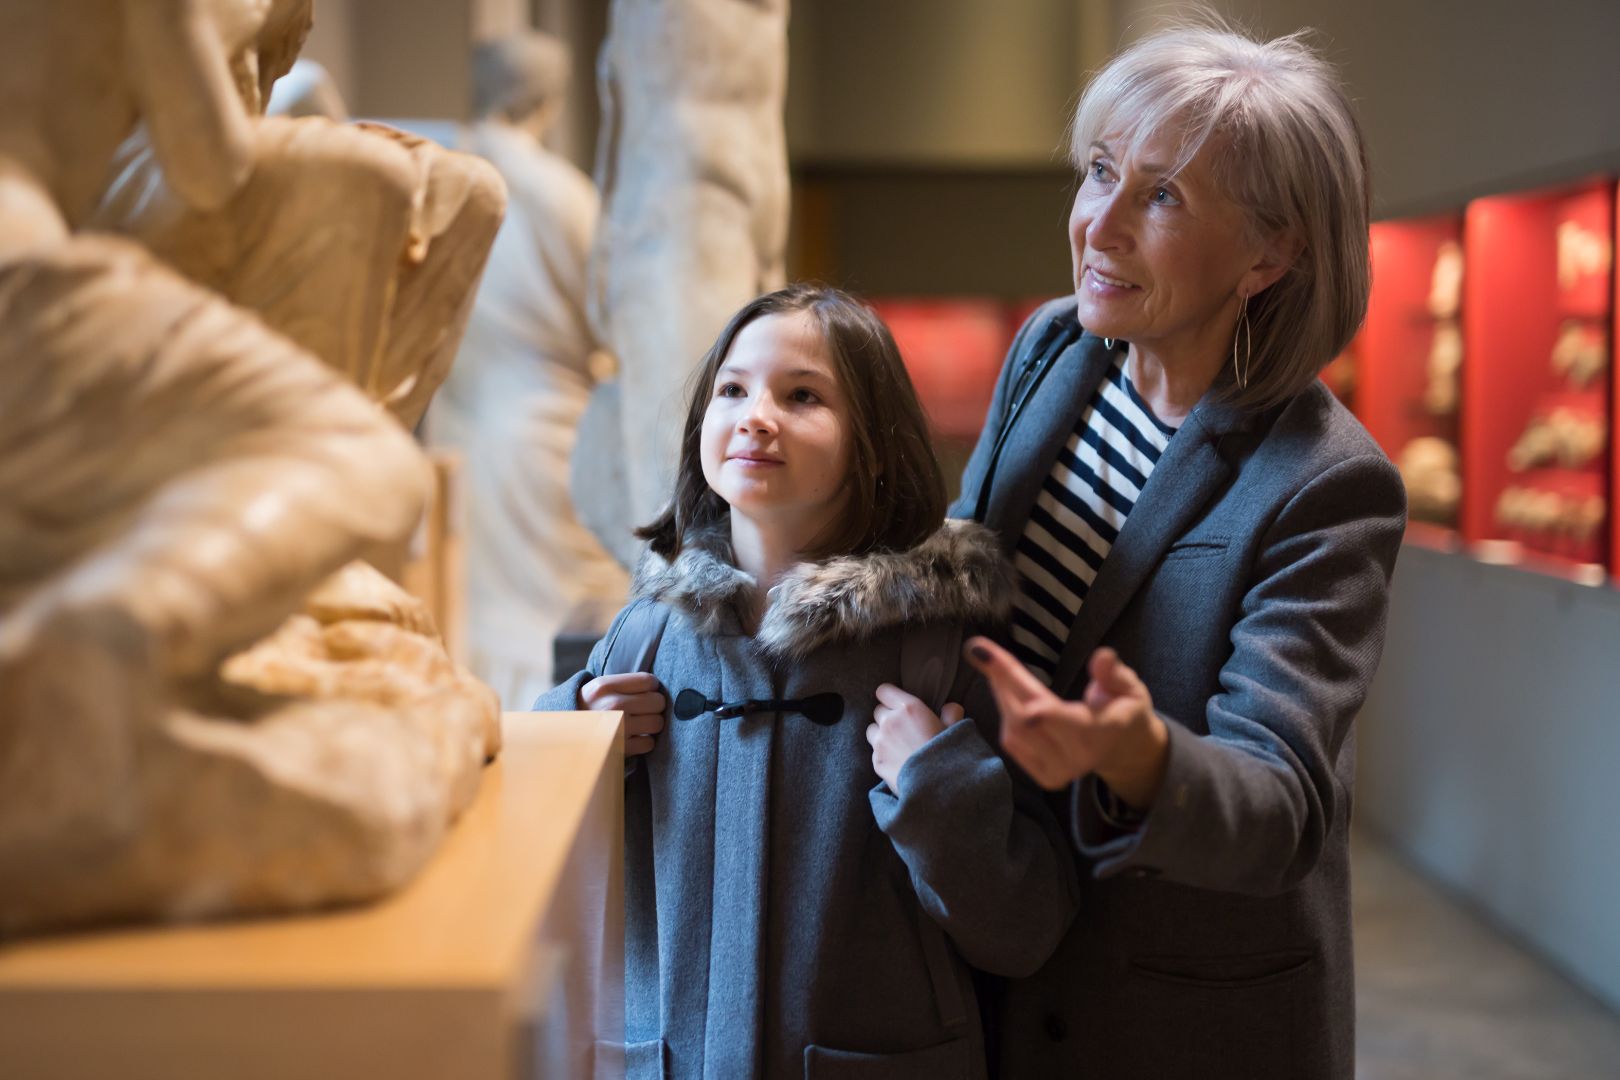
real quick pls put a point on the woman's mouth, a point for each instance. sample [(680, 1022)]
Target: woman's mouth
[(1100, 278)]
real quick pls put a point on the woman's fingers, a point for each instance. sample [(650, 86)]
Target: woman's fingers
[(952, 713), (637, 744), (1055, 745), (1016, 688), (1112, 674), (1042, 749)]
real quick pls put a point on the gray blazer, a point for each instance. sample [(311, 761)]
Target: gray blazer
[(786, 913), (1248, 588)]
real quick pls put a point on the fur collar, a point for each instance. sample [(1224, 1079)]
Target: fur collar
[(956, 575)]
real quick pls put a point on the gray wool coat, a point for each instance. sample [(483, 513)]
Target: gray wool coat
[(786, 913), (1248, 588)]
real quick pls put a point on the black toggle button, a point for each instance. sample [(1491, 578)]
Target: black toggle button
[(824, 709)]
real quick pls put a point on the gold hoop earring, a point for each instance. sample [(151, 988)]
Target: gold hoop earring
[(1241, 373)]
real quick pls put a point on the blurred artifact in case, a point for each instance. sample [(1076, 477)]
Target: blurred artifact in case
[(1433, 484), (1446, 281), (1581, 353), (191, 444), (1445, 366), (1570, 438)]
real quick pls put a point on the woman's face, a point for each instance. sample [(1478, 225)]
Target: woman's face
[(1160, 261), (776, 442)]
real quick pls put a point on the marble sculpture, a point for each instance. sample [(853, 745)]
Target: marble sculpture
[(206, 706)]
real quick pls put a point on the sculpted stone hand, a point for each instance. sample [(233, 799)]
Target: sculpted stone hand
[(901, 724), (1112, 732)]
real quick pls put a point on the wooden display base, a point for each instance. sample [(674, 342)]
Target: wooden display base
[(502, 959)]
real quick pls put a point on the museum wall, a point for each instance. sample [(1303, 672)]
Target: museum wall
[(903, 105), (1459, 98), (1487, 751)]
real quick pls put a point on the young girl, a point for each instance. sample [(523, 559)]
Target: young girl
[(794, 860)]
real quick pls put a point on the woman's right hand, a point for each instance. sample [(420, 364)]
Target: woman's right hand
[(636, 694)]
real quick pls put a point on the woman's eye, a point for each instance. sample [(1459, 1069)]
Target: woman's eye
[(1162, 196), (1098, 170)]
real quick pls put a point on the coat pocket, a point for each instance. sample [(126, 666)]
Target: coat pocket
[(1246, 1012), (632, 1061), (1225, 972), (952, 1060)]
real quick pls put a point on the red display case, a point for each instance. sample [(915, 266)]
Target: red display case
[(1409, 357), (1538, 309), (1614, 414)]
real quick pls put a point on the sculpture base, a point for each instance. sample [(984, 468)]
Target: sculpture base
[(503, 958)]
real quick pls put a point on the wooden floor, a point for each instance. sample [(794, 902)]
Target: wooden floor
[(1442, 995)]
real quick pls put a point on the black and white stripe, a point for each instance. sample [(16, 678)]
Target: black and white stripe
[(1097, 478)]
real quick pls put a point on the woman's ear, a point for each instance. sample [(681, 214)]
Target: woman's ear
[(1276, 256)]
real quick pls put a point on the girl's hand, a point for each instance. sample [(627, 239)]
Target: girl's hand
[(638, 696), (1113, 732), (900, 724)]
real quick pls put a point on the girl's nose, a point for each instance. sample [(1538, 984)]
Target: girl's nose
[(760, 419)]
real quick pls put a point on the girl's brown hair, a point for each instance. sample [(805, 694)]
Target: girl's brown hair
[(897, 490)]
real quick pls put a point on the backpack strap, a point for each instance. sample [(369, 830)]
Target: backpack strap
[(929, 656), (634, 644)]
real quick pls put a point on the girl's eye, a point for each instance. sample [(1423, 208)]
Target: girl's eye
[(729, 389), (1162, 196), (805, 396)]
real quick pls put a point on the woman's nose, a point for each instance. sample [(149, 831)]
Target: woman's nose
[(1107, 228)]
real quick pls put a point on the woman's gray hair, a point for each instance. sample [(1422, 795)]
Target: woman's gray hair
[(1285, 146)]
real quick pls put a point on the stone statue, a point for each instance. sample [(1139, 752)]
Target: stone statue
[(514, 398), (197, 715), (692, 163)]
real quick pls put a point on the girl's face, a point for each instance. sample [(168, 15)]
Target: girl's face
[(776, 442)]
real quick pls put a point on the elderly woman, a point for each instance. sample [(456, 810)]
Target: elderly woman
[(1205, 539)]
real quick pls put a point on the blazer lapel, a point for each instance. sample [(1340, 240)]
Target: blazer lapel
[(1190, 472), (1045, 425)]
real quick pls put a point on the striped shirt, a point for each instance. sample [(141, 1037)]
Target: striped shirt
[(1095, 481)]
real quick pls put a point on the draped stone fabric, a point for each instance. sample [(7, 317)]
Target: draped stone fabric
[(191, 444)]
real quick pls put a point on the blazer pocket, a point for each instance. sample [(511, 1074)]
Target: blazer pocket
[(1260, 1011), (946, 1061), (1197, 549), (1225, 972), (632, 1061)]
